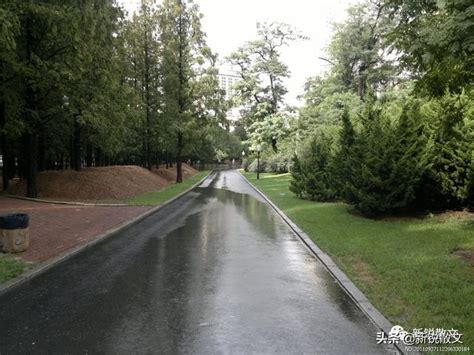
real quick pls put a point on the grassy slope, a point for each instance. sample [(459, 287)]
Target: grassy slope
[(405, 267), (10, 267), (161, 196)]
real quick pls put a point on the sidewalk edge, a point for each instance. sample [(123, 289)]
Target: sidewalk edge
[(68, 203)]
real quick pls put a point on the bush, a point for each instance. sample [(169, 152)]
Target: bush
[(253, 166), (388, 163), (377, 169), (297, 182), (312, 177), (317, 177), (277, 163), (450, 146), (246, 163)]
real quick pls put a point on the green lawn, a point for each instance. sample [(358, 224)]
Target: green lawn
[(10, 267), (405, 267), (161, 196)]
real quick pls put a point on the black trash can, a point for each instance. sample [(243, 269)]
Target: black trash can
[(14, 232)]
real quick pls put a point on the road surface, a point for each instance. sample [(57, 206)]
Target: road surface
[(216, 271)]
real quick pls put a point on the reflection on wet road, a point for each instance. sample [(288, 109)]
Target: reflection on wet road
[(216, 271)]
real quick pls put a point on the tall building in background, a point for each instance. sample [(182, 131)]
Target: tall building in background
[(226, 81), (227, 78)]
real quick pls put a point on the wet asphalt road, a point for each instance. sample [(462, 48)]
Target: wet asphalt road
[(216, 271)]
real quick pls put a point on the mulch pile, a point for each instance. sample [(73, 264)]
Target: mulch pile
[(170, 174), (101, 184)]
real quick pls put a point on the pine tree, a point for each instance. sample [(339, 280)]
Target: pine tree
[(391, 163), (444, 183), (183, 50), (297, 182), (317, 177), (341, 165)]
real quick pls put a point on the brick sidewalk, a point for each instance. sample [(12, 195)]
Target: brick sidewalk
[(57, 228)]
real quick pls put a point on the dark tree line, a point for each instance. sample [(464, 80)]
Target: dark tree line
[(84, 85)]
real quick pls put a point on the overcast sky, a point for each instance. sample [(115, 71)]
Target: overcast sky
[(230, 23)]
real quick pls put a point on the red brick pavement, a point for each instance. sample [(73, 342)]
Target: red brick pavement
[(56, 228)]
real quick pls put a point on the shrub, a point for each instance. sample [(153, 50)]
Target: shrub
[(277, 163), (297, 182), (316, 174), (311, 177), (388, 163), (450, 146), (253, 166), (246, 163)]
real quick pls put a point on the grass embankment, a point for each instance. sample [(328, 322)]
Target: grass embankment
[(161, 196), (404, 266), (11, 267)]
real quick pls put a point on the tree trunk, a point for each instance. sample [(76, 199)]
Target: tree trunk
[(99, 160), (30, 138), (42, 150), (147, 102), (76, 145), (60, 162), (362, 86), (89, 155), (30, 147), (179, 170), (4, 146)]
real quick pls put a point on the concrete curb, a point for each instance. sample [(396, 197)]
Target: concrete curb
[(45, 266), (347, 285), (69, 203)]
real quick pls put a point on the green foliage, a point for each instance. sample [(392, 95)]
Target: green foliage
[(191, 97), (297, 184), (83, 85), (343, 162), (436, 42), (317, 177), (271, 129), (257, 164), (449, 151), (11, 267), (388, 163), (277, 163), (261, 90), (399, 152), (357, 51)]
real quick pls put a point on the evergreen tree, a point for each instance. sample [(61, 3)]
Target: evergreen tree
[(341, 165), (450, 147), (391, 163), (143, 51), (316, 175), (42, 44), (297, 182), (184, 49)]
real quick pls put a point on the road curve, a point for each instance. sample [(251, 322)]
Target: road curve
[(216, 271)]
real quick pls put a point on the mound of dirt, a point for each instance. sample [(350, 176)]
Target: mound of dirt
[(94, 184), (170, 173)]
